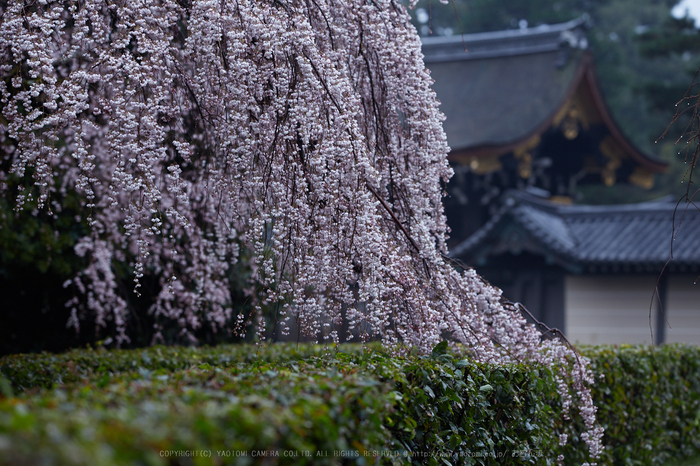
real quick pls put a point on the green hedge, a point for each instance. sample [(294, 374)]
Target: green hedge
[(335, 406), (648, 401), (314, 405)]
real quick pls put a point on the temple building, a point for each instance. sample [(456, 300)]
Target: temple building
[(527, 124), (600, 273)]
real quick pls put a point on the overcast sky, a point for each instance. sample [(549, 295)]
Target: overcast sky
[(693, 7)]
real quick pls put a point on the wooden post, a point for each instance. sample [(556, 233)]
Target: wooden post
[(662, 310)]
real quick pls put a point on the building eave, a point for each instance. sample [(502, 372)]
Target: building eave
[(585, 77)]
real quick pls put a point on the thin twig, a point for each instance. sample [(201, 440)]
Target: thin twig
[(541, 325), (391, 212)]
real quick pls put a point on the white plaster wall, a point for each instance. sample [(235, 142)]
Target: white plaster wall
[(683, 310), (609, 309)]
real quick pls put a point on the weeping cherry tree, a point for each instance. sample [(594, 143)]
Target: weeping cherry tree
[(301, 136)]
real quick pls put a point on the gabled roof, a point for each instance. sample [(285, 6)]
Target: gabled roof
[(498, 90), (631, 237)]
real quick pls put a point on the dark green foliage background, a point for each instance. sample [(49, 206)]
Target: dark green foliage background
[(36, 258)]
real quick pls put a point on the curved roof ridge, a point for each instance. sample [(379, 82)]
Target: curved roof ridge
[(508, 33), (541, 38), (663, 204), (548, 228), (590, 79), (630, 235), (540, 219)]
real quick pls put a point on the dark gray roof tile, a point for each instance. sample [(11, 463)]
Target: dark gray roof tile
[(636, 234), (505, 84)]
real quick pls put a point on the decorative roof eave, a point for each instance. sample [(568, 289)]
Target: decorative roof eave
[(529, 68), (585, 76), (590, 80), (496, 150)]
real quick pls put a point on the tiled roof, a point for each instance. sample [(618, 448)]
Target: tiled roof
[(583, 237), (505, 84), (543, 38), (500, 89)]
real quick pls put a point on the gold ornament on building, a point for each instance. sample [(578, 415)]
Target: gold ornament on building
[(614, 153), (484, 165), (571, 119), (524, 156), (642, 178)]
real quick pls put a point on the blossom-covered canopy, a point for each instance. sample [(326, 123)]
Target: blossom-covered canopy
[(300, 136)]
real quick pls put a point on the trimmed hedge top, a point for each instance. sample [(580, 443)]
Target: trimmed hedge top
[(306, 404), (648, 400), (286, 404)]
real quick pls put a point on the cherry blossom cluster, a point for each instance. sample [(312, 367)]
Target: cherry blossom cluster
[(301, 136)]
